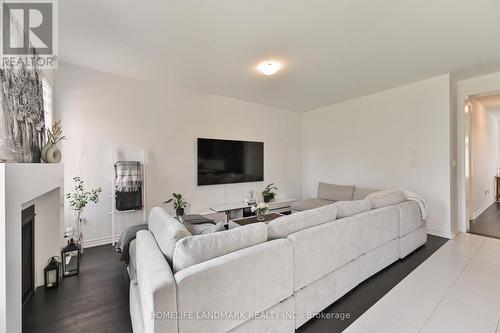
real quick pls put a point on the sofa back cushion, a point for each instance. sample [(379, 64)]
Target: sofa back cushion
[(386, 198), (193, 250), (323, 249), (166, 230), (410, 217), (349, 208), (377, 227), (361, 193), (247, 281), (286, 225), (335, 192)]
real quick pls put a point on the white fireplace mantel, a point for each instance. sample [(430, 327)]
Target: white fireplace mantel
[(20, 185)]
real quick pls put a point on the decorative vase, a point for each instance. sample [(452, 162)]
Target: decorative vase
[(261, 216), (179, 212), (79, 233), (43, 152), (50, 153), (53, 154), (268, 198)]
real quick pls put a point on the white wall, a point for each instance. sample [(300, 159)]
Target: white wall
[(100, 111), (484, 158), (23, 183), (398, 138)]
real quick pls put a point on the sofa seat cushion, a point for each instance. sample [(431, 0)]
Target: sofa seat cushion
[(193, 250), (166, 231), (324, 248), (307, 204), (132, 263), (386, 198), (288, 224), (361, 193), (281, 323), (349, 208), (412, 241), (335, 192), (318, 295)]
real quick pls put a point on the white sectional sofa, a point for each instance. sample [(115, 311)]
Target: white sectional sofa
[(265, 278)]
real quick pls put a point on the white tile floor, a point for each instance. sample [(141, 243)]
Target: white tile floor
[(456, 290)]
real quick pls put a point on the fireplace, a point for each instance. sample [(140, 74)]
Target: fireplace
[(28, 254), (28, 184)]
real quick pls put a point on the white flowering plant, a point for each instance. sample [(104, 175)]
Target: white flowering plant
[(260, 208)]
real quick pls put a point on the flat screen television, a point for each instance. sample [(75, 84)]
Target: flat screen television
[(229, 161)]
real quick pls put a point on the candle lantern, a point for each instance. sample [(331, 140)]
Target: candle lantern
[(52, 273), (71, 259)]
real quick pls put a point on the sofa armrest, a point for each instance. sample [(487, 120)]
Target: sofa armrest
[(156, 284)]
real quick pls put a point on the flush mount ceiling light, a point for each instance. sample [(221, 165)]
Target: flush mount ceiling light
[(269, 67)]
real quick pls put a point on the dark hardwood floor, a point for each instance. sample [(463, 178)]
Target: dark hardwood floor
[(96, 300), (488, 223)]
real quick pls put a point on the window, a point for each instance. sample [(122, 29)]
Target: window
[(47, 103)]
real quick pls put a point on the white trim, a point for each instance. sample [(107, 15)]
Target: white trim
[(99, 241), (482, 209), (441, 233)]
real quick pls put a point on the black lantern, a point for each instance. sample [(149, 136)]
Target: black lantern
[(52, 273), (71, 259)]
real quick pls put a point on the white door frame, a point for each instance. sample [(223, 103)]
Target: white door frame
[(475, 86)]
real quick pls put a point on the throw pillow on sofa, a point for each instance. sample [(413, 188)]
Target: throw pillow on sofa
[(289, 224), (193, 250), (205, 228), (335, 192), (167, 230), (350, 208), (386, 198), (361, 193)]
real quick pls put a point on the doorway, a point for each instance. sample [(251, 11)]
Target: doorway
[(28, 254), (482, 163)]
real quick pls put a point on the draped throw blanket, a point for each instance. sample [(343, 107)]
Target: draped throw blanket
[(128, 182), (422, 203), (126, 237)]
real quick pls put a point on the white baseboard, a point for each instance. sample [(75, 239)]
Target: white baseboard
[(441, 233), (482, 209), (99, 241)]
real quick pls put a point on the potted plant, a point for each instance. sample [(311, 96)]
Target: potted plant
[(178, 203), (78, 200), (260, 210), (268, 194)]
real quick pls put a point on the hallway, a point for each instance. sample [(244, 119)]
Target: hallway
[(488, 223)]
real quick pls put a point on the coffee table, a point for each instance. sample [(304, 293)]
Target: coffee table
[(253, 219)]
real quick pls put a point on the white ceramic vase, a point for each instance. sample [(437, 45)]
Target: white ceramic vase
[(51, 154)]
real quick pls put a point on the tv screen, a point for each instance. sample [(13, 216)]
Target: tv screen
[(228, 161)]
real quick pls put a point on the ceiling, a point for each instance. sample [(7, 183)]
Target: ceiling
[(332, 50)]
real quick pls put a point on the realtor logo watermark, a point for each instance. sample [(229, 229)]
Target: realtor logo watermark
[(29, 33)]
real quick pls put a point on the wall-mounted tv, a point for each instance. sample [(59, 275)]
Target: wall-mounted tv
[(229, 161)]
